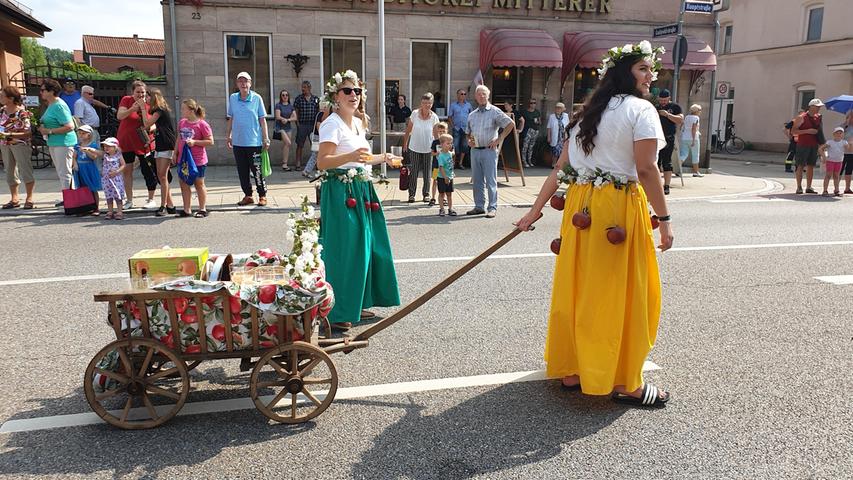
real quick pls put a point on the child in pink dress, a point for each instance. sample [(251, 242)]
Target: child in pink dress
[(111, 178)]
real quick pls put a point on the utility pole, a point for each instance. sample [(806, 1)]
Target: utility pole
[(381, 117), (677, 54), (707, 156)]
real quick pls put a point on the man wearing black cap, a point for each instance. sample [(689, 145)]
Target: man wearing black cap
[(670, 119), (69, 94)]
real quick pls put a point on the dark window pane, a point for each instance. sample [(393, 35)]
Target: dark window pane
[(815, 24), (249, 53), (429, 73), (341, 54), (727, 40)]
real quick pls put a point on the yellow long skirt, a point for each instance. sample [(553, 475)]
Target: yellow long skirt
[(605, 305)]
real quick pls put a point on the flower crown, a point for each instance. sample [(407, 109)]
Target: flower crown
[(643, 48), (339, 78)]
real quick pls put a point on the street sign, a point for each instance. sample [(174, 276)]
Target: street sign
[(665, 31), (679, 48), (698, 7), (723, 89)]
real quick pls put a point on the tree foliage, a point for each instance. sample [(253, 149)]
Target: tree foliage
[(56, 56), (32, 53)]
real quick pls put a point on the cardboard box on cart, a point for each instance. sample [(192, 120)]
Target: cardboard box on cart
[(160, 264)]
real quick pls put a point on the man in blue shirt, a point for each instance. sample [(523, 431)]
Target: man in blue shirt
[(69, 94), (247, 134), (457, 119)]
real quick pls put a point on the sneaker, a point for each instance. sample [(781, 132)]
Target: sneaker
[(475, 211), (666, 189), (262, 201), (411, 199), (427, 199), (441, 212), (491, 214), (452, 212), (698, 175), (432, 202), (127, 205), (160, 212), (150, 204), (810, 190), (245, 201), (171, 210)]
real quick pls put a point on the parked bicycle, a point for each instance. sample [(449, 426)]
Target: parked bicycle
[(731, 143)]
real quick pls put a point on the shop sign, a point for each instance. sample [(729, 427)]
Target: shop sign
[(588, 6)]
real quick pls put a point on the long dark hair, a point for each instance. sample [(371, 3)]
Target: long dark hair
[(617, 81)]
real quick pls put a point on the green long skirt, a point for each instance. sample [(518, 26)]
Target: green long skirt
[(356, 250)]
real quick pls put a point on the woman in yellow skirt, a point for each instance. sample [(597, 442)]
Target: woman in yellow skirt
[(605, 303)]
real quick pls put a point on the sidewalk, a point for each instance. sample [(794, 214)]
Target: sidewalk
[(754, 156), (287, 188)]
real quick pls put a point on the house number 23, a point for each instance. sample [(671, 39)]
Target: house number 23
[(196, 15)]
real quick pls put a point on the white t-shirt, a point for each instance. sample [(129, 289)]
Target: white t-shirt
[(347, 139), (835, 150), (687, 127), (554, 127), (420, 139), (626, 120)]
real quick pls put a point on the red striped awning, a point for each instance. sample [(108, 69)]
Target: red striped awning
[(511, 47), (586, 49)]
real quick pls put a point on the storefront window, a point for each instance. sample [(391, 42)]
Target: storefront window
[(341, 54), (249, 53), (504, 85), (586, 79), (430, 71)]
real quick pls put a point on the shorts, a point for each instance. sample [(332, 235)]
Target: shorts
[(806, 156), (665, 155), (847, 164), (445, 185), (164, 154), (302, 134), (201, 169), (833, 167), (130, 157)]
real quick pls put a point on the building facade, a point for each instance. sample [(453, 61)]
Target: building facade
[(797, 51), (16, 22), (542, 49), (120, 54)]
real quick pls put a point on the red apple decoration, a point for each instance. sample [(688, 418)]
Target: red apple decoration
[(374, 206), (193, 349), (655, 222), (266, 294), (350, 202), (555, 245), (581, 220), (616, 235), (189, 315), (367, 205), (218, 332), (558, 202)]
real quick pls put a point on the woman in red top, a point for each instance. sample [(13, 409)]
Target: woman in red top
[(132, 110)]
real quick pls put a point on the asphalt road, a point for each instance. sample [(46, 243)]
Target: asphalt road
[(755, 350)]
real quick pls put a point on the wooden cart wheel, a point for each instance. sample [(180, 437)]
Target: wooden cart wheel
[(157, 365), (123, 372), (300, 379), (325, 330)]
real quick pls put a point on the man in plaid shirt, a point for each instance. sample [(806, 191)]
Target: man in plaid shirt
[(307, 106)]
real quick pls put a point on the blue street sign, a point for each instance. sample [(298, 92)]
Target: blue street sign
[(698, 7), (665, 30)]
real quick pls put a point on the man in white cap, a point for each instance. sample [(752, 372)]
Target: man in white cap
[(84, 110), (808, 128), (557, 123), (248, 135)]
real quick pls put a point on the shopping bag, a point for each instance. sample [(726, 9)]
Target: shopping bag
[(266, 169), (187, 171), (78, 200), (404, 178)]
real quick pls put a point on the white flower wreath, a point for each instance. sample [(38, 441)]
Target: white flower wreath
[(643, 48), (337, 79)]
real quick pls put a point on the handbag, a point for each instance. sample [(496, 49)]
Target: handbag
[(187, 170), (78, 200), (266, 169), (404, 178)]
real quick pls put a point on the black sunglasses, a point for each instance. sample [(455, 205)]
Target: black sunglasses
[(350, 90)]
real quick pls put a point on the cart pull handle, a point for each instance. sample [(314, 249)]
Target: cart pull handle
[(414, 304)]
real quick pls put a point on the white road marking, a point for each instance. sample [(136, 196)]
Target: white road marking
[(752, 200), (27, 281), (216, 406), (837, 279)]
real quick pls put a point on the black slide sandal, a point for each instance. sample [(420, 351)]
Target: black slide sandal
[(648, 398)]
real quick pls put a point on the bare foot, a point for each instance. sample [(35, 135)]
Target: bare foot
[(571, 381)]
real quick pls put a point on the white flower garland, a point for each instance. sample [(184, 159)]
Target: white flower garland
[(597, 177), (304, 259), (339, 78), (352, 174), (643, 48)]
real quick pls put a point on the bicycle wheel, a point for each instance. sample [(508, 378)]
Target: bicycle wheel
[(735, 145)]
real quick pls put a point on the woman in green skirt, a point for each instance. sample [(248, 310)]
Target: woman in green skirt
[(356, 249)]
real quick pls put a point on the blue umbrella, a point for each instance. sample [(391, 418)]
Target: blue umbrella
[(840, 104)]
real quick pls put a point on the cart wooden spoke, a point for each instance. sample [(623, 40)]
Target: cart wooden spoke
[(290, 392), (135, 398)]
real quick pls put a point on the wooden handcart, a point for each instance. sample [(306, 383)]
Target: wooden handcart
[(292, 381)]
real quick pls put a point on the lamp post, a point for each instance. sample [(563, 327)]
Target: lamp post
[(381, 103)]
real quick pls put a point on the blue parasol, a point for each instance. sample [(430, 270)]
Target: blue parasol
[(840, 104)]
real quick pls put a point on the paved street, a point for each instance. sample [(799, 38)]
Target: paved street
[(754, 348)]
